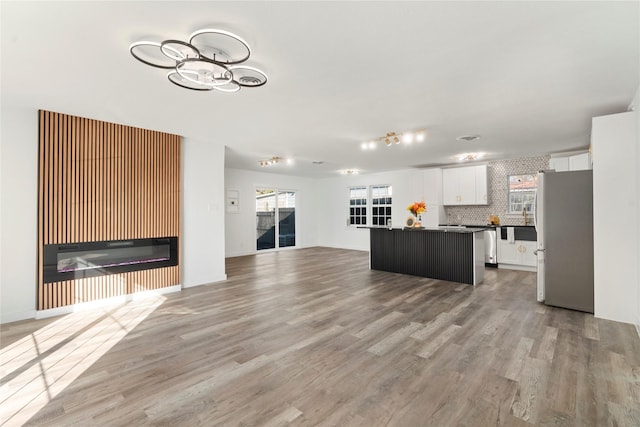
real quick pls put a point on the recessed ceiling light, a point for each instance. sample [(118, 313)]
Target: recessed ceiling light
[(468, 138), (467, 157), (349, 171)]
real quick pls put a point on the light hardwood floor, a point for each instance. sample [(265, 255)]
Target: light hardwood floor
[(313, 337)]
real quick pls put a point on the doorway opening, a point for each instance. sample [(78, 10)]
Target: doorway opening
[(275, 218)]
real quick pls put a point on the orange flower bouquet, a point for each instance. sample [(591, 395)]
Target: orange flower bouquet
[(417, 208)]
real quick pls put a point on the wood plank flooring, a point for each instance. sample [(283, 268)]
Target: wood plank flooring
[(313, 337)]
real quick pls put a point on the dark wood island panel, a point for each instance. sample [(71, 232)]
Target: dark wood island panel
[(456, 256)]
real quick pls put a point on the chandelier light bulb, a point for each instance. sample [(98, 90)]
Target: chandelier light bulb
[(420, 136)]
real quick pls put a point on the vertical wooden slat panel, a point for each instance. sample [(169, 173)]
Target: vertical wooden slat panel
[(67, 179), (72, 182), (108, 182), (52, 181), (41, 145), (102, 181)]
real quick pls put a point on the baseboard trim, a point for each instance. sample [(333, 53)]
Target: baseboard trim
[(349, 248), (517, 267), (16, 317), (101, 303), (212, 282)]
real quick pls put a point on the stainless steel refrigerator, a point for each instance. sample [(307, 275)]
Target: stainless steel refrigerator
[(564, 223)]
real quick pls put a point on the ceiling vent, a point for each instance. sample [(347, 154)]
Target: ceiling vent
[(468, 138)]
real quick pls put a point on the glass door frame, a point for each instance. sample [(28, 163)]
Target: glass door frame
[(278, 192)]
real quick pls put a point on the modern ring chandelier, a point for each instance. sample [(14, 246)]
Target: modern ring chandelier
[(209, 61)]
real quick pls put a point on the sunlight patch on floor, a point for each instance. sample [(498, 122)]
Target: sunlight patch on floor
[(35, 369)]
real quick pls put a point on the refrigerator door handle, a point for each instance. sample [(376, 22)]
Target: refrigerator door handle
[(535, 252), (535, 211)]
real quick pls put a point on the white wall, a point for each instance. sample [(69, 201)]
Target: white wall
[(635, 106), (18, 213), (240, 227), (202, 212), (408, 187), (615, 216)]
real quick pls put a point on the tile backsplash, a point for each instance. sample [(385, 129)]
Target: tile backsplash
[(497, 173)]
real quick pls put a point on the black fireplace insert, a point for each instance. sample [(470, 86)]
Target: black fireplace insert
[(91, 259)]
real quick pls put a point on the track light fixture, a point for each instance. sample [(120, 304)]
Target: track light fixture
[(275, 160), (392, 138), (349, 171), (468, 157), (268, 162)]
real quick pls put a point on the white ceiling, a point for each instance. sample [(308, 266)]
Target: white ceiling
[(526, 76)]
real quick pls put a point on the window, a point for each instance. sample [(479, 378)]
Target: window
[(522, 193), (358, 206), (380, 205)]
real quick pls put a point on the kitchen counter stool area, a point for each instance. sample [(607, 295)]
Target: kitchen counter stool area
[(438, 253)]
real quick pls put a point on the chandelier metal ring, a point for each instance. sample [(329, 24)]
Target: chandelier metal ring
[(178, 80), (221, 42), (142, 49), (178, 50)]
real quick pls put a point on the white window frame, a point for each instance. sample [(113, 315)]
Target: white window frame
[(387, 205), (354, 209), (526, 196)]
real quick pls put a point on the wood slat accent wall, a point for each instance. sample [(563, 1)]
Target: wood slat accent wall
[(104, 181)]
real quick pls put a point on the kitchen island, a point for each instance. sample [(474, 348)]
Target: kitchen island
[(445, 253)]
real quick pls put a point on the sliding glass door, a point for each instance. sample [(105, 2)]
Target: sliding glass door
[(275, 218)]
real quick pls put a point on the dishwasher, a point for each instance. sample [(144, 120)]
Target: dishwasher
[(491, 247)]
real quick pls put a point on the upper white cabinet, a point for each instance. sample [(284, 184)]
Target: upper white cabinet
[(432, 186), (575, 162), (465, 185), (481, 185), (580, 162), (559, 164)]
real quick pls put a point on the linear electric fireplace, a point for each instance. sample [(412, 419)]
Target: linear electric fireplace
[(91, 259)]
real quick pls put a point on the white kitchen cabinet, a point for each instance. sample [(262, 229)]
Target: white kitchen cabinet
[(432, 186), (481, 185), (559, 164), (575, 162), (465, 185), (450, 187), (580, 162), (518, 255), (426, 185), (528, 257)]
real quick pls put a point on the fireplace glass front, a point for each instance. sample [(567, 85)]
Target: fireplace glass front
[(91, 259)]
